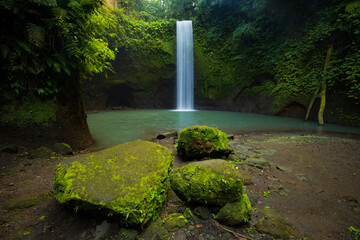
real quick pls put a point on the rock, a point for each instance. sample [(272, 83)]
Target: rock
[(174, 222), (62, 148), (246, 176), (302, 177), (128, 181), (128, 234), (284, 168), (27, 200), (230, 136), (102, 230), (166, 135), (41, 152), (197, 142), (272, 223), (202, 212), (258, 162), (235, 213), (155, 231), (11, 148), (211, 182)]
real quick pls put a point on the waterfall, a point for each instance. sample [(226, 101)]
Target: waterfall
[(185, 65)]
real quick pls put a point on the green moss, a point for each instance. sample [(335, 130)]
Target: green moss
[(235, 213), (129, 181), (174, 222), (214, 185), (197, 142), (26, 111)]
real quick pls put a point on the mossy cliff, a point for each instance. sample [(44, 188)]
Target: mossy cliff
[(197, 142), (144, 69), (128, 181)]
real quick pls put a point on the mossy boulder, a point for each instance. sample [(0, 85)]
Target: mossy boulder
[(236, 212), (272, 223), (174, 222), (41, 152), (212, 182), (62, 148), (197, 142), (128, 181)]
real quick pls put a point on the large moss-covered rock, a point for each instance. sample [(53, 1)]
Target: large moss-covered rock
[(197, 142), (128, 181), (235, 213), (212, 182)]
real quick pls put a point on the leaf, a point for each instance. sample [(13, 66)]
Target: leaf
[(36, 34)]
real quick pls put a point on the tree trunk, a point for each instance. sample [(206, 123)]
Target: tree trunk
[(312, 102), (323, 87), (71, 113)]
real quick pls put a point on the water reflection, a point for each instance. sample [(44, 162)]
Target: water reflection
[(115, 127)]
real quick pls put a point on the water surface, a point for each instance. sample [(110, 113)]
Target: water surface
[(114, 127)]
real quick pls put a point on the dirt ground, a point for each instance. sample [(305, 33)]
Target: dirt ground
[(313, 181)]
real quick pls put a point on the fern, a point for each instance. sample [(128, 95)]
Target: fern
[(36, 34)]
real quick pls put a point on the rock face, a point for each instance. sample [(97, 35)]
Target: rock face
[(128, 181), (197, 142), (212, 182)]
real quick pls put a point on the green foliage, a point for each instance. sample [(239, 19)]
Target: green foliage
[(355, 232), (47, 41), (29, 110)]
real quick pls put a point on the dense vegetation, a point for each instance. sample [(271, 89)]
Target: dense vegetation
[(289, 50)]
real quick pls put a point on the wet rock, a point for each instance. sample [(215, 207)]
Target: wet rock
[(117, 181), (211, 182), (272, 223), (167, 135), (197, 142), (62, 148), (302, 177), (258, 162), (11, 148), (235, 213), (202, 212), (41, 152), (174, 222)]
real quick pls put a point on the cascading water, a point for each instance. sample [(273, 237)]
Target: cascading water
[(185, 66)]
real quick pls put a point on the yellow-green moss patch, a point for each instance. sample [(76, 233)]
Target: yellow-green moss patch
[(128, 181), (212, 182), (197, 142)]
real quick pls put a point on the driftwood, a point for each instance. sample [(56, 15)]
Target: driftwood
[(237, 235)]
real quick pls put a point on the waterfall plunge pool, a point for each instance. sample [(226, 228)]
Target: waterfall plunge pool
[(110, 128)]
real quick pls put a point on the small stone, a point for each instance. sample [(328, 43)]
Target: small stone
[(166, 135), (102, 230), (284, 168), (62, 148), (302, 177), (191, 227), (202, 212)]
